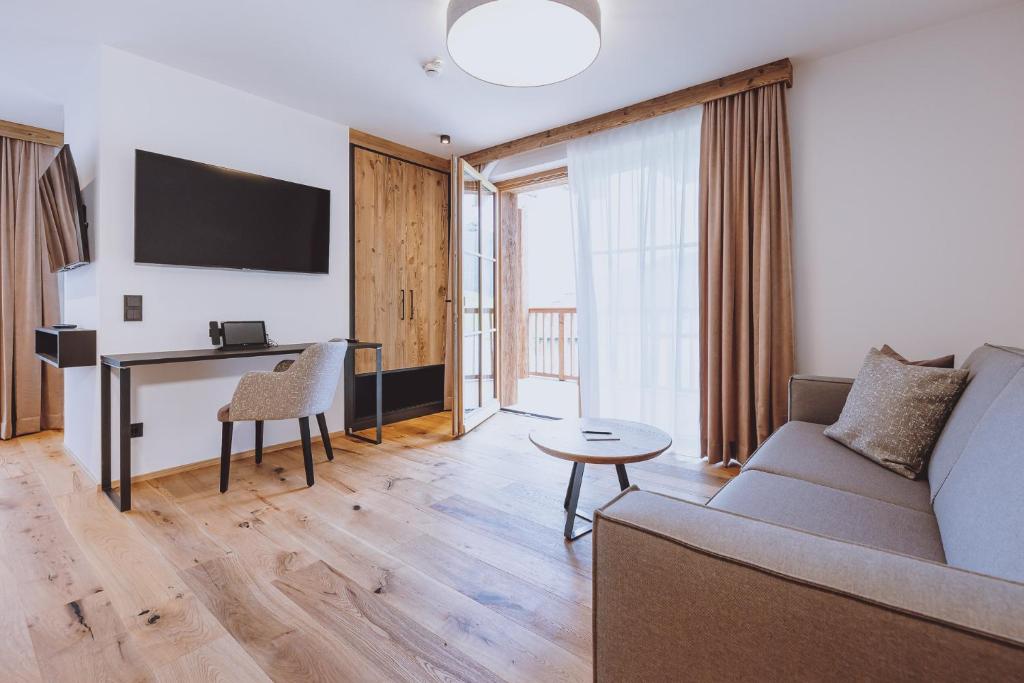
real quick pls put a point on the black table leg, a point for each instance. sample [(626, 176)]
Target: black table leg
[(105, 476), (380, 393), (350, 409), (623, 479), (575, 483), (124, 377), (568, 489)]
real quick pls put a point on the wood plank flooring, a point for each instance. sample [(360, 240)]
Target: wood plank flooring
[(424, 558)]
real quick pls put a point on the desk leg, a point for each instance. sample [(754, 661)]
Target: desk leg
[(105, 428), (380, 393), (125, 451), (350, 401)]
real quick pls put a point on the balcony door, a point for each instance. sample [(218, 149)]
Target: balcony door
[(475, 299)]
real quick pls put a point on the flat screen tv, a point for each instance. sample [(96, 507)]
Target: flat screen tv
[(193, 214)]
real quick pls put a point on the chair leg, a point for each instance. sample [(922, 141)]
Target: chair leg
[(321, 422), (259, 441), (307, 449), (225, 455)]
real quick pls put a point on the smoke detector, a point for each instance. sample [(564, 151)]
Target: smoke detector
[(433, 68)]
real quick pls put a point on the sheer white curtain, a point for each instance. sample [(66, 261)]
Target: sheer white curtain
[(635, 219)]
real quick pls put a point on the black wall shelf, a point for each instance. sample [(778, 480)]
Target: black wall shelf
[(72, 348)]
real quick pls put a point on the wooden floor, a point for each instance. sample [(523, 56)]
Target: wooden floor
[(425, 558)]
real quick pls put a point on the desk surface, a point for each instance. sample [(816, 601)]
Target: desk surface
[(128, 360)]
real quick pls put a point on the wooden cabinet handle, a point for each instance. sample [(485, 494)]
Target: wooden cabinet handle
[(412, 304), (403, 305)]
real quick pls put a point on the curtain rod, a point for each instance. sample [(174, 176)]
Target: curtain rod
[(19, 131), (766, 74)]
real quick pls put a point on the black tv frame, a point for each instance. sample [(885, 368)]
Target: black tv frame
[(135, 227)]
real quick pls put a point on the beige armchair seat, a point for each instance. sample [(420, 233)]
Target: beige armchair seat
[(294, 390)]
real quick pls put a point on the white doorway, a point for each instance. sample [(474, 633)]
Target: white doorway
[(549, 380)]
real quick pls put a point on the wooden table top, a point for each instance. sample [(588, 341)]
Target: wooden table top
[(637, 442)]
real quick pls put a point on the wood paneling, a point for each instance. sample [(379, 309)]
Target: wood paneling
[(776, 72), (424, 558), (377, 252), (423, 220), (18, 131), (513, 304), (401, 259), (361, 139)]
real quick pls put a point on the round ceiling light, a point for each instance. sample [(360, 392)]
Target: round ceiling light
[(524, 43)]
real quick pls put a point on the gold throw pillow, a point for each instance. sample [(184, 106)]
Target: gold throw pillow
[(895, 412)]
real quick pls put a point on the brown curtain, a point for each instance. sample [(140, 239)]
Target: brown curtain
[(746, 280), (31, 392)]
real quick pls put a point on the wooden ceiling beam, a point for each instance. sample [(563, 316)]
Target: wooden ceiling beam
[(776, 72), (534, 181), (19, 131), (377, 144)]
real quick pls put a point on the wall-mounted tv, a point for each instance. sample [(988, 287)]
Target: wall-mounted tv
[(193, 214)]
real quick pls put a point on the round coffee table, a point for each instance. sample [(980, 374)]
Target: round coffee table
[(633, 442)]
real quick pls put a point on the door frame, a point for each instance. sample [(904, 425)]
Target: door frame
[(460, 425)]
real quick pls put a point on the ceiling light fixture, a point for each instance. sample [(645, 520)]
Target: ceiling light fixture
[(524, 43), (446, 139)]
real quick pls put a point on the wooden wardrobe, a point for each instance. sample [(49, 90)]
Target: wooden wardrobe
[(399, 275)]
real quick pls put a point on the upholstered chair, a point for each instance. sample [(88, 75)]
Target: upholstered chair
[(293, 390)]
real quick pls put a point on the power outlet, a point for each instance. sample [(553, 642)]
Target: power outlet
[(136, 430)]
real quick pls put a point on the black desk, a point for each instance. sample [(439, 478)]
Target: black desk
[(123, 364)]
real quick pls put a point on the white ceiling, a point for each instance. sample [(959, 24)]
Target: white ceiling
[(358, 61)]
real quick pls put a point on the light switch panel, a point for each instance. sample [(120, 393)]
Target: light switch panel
[(133, 307)]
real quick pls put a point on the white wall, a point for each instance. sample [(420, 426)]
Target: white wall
[(145, 105), (908, 165)]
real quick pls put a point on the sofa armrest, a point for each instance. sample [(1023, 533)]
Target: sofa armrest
[(817, 399), (674, 581)]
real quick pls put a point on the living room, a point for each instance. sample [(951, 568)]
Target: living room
[(265, 304)]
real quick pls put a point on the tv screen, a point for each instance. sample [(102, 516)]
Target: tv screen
[(192, 214)]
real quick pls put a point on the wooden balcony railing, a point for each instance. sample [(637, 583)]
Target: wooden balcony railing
[(553, 344)]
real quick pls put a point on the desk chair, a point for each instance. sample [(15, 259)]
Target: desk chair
[(293, 390)]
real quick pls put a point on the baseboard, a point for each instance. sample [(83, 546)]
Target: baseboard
[(75, 459), (188, 467)]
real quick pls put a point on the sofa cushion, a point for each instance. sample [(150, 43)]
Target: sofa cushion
[(895, 412), (980, 507), (829, 512), (991, 368), (801, 450)]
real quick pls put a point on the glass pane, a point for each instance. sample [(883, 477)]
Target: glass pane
[(487, 222), (470, 214), (470, 293), (487, 294), (471, 372), (489, 387)]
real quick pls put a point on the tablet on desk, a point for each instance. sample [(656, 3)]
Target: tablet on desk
[(244, 335)]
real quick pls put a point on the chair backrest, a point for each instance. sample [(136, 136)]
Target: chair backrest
[(314, 376)]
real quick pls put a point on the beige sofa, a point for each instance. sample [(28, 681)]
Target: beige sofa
[(817, 564)]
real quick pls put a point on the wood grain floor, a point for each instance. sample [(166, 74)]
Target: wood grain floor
[(425, 558)]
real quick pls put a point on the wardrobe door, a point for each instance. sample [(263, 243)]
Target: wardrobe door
[(424, 220), (377, 184)]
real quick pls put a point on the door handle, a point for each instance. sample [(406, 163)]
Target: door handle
[(412, 304), (403, 305)]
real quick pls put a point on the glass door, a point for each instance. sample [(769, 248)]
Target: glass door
[(475, 300)]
